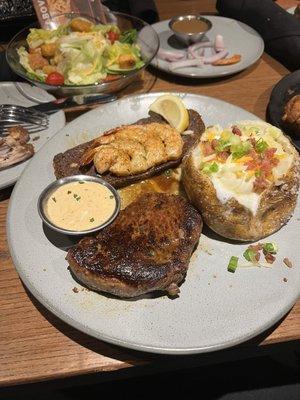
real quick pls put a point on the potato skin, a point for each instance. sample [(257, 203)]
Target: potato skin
[(231, 219)]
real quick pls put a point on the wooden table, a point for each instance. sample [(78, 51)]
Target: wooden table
[(34, 344)]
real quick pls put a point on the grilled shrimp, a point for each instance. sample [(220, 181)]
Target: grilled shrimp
[(132, 149)]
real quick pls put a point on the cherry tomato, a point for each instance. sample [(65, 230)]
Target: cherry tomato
[(112, 36), (111, 77), (55, 78)]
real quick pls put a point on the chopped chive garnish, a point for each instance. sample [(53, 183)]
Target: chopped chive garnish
[(270, 248), (78, 198), (54, 199), (69, 192), (92, 219), (233, 263), (111, 196), (81, 182), (249, 255)]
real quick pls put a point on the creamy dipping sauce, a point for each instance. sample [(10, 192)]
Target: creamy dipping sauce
[(190, 26), (80, 206)]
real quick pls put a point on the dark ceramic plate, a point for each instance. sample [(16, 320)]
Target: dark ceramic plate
[(285, 89)]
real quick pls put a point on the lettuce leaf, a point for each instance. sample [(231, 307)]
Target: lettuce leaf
[(37, 36)]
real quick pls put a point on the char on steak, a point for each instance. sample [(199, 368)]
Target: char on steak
[(147, 248), (66, 164)]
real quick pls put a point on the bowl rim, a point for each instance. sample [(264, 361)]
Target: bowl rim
[(189, 17), (76, 178), (98, 84)]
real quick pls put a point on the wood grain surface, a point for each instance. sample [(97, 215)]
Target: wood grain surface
[(37, 346)]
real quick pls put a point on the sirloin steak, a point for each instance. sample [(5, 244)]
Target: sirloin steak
[(147, 248), (66, 164)]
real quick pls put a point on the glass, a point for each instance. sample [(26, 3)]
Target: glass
[(147, 39)]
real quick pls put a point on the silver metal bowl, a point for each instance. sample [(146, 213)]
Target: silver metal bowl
[(47, 192), (147, 39), (188, 38)]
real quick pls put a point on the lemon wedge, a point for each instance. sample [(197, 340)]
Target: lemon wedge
[(173, 110)]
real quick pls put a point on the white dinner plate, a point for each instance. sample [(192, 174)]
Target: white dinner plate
[(239, 38), (216, 309), (9, 94)]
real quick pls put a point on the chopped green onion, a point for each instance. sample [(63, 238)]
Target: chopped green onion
[(249, 255), (261, 145), (214, 167), (271, 248), (258, 173), (240, 150), (222, 145), (233, 263), (210, 168), (92, 219), (54, 199)]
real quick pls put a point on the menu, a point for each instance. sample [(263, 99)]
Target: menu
[(47, 9)]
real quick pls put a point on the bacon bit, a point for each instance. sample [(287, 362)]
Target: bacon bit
[(257, 256), (256, 247), (269, 258), (266, 166), (287, 262), (251, 165), (274, 161), (214, 143), (260, 184), (269, 153), (223, 155), (207, 149), (253, 142), (236, 131)]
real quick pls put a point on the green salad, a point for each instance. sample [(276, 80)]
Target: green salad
[(80, 53)]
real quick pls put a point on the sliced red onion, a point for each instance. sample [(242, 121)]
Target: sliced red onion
[(219, 43), (216, 57), (168, 55), (200, 45), (192, 54), (196, 62)]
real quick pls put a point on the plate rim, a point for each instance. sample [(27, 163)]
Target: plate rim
[(12, 181), (125, 343), (213, 76), (277, 88)]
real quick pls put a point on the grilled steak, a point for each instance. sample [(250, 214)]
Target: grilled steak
[(146, 248), (66, 164)]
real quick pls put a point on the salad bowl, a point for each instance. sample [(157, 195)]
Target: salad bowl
[(145, 39)]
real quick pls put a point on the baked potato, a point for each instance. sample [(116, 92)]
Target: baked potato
[(244, 179)]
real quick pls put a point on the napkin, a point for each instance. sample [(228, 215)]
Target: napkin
[(279, 29)]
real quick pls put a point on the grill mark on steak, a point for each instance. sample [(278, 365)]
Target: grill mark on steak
[(147, 248), (66, 164)]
